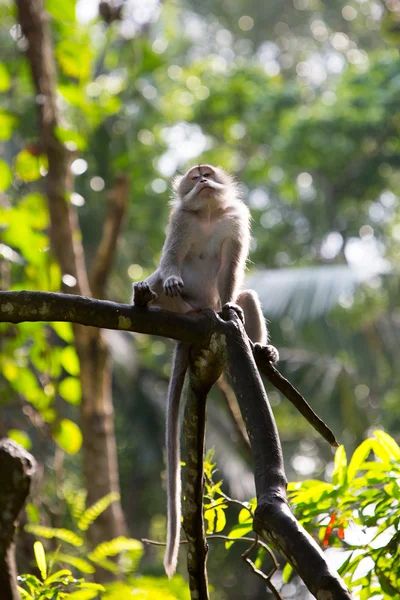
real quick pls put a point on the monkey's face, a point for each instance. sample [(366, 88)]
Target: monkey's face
[(203, 182)]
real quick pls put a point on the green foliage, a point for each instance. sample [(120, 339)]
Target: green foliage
[(359, 513), (127, 551), (5, 176), (68, 436), (94, 511), (21, 437), (143, 588), (59, 585)]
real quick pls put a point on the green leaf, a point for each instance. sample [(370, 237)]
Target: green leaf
[(34, 584), (388, 443), (87, 585), (32, 512), (64, 11), (238, 531), (75, 58), (7, 123), (40, 557), (24, 594), (20, 437), (114, 547), (68, 436), (76, 500), (79, 563), (5, 176), (220, 520), (27, 166), (64, 331), (210, 518), (52, 532), (70, 390), (70, 137), (58, 575), (287, 572), (359, 456), (96, 509), (69, 360), (5, 79), (34, 208), (339, 473)]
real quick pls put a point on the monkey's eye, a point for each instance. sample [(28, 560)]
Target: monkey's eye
[(195, 177), (206, 174)]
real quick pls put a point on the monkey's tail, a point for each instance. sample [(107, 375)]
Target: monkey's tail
[(180, 364)]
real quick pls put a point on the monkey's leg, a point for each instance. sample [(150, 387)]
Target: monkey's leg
[(180, 365), (254, 323)]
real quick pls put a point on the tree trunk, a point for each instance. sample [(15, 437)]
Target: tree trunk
[(17, 468), (99, 446)]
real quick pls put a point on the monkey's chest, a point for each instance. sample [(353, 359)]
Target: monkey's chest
[(201, 268), (205, 250)]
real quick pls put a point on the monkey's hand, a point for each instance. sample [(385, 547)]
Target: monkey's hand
[(142, 294), (232, 306), (268, 352), (173, 286)]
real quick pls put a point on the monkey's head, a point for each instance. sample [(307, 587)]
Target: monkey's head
[(202, 184)]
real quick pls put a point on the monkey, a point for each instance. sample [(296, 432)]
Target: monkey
[(202, 266)]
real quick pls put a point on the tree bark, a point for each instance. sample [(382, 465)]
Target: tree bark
[(97, 414), (17, 468)]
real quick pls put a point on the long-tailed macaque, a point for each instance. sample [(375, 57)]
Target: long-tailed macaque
[(202, 266)]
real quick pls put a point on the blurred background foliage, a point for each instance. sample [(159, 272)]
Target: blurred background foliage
[(300, 100)]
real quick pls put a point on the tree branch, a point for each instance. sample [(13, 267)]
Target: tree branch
[(116, 208), (17, 307), (273, 518)]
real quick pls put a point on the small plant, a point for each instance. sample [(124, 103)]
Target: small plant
[(128, 551), (58, 585)]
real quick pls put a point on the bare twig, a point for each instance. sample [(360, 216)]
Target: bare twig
[(258, 572), (290, 392)]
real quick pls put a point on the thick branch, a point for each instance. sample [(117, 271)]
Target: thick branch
[(17, 468), (116, 207), (17, 307), (273, 519)]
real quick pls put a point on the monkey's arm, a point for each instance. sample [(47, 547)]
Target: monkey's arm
[(235, 250), (232, 267), (176, 247)]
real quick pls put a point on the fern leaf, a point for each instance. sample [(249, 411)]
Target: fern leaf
[(94, 511)]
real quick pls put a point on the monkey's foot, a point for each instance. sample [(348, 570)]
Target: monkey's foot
[(173, 286), (142, 294), (268, 352), (232, 306)]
